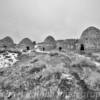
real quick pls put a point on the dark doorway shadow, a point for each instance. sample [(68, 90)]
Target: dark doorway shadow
[(82, 47), (60, 48), (27, 48), (43, 49)]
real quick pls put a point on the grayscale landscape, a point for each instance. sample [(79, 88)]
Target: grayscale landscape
[(51, 70), (49, 50)]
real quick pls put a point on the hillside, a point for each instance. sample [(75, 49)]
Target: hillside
[(50, 76)]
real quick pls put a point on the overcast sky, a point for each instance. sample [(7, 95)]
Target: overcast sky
[(38, 18)]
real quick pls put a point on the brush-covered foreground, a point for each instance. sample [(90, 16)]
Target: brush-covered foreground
[(53, 76)]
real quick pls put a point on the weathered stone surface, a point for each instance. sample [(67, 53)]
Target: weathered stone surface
[(90, 38), (48, 44), (68, 44), (49, 39), (25, 44), (6, 43)]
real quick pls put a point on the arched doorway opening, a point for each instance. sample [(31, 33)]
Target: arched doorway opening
[(82, 47), (27, 48), (5, 47), (43, 49), (60, 48)]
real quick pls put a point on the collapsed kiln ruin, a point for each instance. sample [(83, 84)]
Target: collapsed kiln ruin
[(89, 41)]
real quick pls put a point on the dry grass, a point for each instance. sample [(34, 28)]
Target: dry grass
[(47, 77)]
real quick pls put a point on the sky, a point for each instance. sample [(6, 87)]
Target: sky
[(36, 19)]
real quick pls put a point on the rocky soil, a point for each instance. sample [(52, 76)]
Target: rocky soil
[(49, 76)]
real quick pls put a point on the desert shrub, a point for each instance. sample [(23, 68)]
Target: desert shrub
[(54, 54), (37, 69), (31, 83), (1, 73), (57, 75), (33, 70), (1, 98), (34, 61), (6, 86)]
